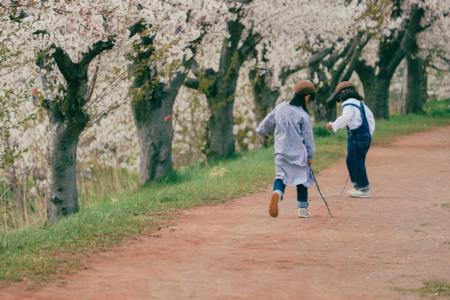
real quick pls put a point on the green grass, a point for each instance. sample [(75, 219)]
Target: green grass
[(37, 253), (435, 288)]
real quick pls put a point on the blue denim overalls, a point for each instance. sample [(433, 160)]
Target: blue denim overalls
[(358, 145)]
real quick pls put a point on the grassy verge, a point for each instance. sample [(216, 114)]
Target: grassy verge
[(431, 288), (436, 288), (37, 253)]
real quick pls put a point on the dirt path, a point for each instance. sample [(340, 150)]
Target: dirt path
[(380, 248)]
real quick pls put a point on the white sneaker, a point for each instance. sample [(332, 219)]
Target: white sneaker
[(351, 191), (303, 213), (360, 194)]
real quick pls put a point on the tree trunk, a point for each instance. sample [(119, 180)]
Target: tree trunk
[(377, 96), (391, 52), (155, 132), (324, 111), (220, 128), (220, 87), (376, 89), (415, 94), (68, 118), (265, 97), (63, 176)]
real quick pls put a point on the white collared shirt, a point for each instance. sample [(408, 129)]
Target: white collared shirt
[(351, 117)]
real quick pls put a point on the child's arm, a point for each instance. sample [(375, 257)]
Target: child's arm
[(308, 138), (267, 125), (342, 121)]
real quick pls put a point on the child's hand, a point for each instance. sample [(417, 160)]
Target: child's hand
[(330, 126), (309, 162)]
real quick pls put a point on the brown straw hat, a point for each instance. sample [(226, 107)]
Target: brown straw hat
[(341, 85), (305, 87)]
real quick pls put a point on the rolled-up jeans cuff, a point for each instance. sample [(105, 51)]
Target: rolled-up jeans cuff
[(302, 204), (365, 189)]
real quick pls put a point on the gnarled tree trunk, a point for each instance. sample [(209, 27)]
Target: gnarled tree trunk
[(220, 87), (68, 119), (416, 80), (265, 96), (220, 128), (152, 104), (155, 132), (63, 198), (377, 96), (391, 51)]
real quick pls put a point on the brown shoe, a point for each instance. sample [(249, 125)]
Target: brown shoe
[(273, 208)]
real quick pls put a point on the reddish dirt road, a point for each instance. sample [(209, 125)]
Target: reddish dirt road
[(380, 248)]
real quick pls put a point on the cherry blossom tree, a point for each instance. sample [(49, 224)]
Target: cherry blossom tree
[(16, 111), (219, 85), (161, 60), (399, 23), (333, 68), (420, 53), (327, 46), (66, 40), (261, 79)]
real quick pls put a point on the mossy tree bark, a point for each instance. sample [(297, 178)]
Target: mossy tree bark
[(152, 104), (68, 119), (220, 87)]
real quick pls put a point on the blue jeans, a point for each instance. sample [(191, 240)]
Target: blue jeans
[(357, 147), (302, 192)]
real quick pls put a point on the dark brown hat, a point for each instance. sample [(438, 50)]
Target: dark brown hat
[(341, 85), (305, 87)]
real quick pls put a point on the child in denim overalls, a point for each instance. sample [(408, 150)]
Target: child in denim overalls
[(360, 123), (294, 146)]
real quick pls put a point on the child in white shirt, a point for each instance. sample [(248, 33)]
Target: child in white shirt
[(360, 124)]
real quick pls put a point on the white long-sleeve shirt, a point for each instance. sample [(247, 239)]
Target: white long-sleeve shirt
[(351, 117)]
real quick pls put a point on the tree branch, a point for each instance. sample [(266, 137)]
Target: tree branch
[(192, 83), (335, 56), (433, 66), (96, 50), (249, 45), (63, 61), (288, 71), (314, 59), (444, 59), (434, 19), (408, 39), (363, 69), (362, 42)]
